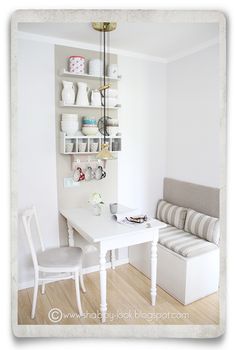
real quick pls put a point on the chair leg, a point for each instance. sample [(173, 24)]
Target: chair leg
[(43, 284), (43, 287), (36, 284), (81, 277), (78, 293)]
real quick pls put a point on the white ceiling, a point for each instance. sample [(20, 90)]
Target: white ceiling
[(156, 39)]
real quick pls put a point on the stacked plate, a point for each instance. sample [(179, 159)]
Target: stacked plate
[(69, 124), (89, 126)]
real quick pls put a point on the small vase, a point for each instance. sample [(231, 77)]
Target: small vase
[(68, 92), (97, 209)]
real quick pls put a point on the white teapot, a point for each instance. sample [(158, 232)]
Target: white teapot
[(95, 98)]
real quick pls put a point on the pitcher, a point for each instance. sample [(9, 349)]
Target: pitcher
[(95, 98), (68, 92), (82, 95)]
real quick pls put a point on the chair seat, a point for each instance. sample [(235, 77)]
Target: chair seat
[(184, 243), (64, 257)]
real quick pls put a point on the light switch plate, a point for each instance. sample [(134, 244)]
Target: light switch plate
[(69, 182)]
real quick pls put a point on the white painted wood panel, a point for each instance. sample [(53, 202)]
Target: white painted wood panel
[(36, 151)]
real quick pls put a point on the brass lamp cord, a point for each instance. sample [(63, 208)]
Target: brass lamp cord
[(104, 82)]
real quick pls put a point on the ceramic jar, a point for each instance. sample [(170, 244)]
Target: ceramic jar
[(96, 100), (76, 64), (82, 95), (112, 71), (96, 67), (68, 92)]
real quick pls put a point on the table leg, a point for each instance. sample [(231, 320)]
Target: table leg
[(70, 234), (153, 271), (113, 258), (103, 284)]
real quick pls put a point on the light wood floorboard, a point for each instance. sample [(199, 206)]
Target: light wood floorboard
[(128, 299)]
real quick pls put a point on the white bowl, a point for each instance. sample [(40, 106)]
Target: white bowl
[(70, 132), (69, 123), (69, 128), (112, 130), (69, 117), (113, 122), (89, 131)]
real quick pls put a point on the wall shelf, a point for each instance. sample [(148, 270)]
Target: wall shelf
[(114, 143), (65, 73), (62, 104)]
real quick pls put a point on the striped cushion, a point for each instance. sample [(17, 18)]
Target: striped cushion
[(202, 225), (184, 243), (171, 214)]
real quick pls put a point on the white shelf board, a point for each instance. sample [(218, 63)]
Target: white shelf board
[(84, 153), (65, 73), (91, 137), (62, 104)]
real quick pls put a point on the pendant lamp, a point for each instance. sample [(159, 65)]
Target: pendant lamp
[(104, 27)]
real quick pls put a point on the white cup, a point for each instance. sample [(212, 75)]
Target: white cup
[(82, 146), (69, 147), (113, 208), (94, 147)]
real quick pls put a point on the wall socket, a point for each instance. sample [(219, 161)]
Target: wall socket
[(69, 182)]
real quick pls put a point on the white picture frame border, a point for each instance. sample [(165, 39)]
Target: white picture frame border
[(132, 331)]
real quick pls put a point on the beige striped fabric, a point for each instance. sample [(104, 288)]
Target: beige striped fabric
[(184, 243), (203, 226), (171, 214)]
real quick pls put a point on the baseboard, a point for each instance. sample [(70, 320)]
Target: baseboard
[(86, 270)]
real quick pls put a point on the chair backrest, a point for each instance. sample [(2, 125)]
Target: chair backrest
[(27, 217)]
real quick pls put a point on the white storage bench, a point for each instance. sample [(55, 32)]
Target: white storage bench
[(188, 278), (187, 263)]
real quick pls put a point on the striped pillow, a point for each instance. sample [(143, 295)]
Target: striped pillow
[(204, 226), (171, 214)]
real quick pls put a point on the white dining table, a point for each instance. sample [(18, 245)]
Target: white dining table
[(108, 234)]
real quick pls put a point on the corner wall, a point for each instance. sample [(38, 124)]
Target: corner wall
[(193, 121)]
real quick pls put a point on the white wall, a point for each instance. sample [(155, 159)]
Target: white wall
[(36, 152), (193, 124), (188, 146), (142, 163)]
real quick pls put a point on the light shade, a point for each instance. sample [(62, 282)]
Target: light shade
[(105, 154)]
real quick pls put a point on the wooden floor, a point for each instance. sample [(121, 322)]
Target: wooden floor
[(128, 298)]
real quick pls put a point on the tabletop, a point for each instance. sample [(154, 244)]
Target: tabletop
[(98, 228)]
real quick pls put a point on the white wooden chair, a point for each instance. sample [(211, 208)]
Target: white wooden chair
[(56, 261)]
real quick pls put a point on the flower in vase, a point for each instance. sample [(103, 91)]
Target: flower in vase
[(96, 199)]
